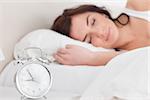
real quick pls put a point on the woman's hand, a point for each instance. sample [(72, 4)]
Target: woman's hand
[(77, 55), (74, 55)]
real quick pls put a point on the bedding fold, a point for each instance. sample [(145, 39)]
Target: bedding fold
[(125, 77)]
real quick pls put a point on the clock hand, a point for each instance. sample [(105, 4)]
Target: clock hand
[(35, 81), (31, 77), (29, 80), (32, 80), (30, 74)]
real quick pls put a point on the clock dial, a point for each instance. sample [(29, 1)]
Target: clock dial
[(34, 80)]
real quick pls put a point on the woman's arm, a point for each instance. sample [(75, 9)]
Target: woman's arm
[(77, 55), (139, 5), (102, 58)]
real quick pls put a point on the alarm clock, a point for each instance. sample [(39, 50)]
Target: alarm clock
[(33, 80)]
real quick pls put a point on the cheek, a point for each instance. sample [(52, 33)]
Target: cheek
[(114, 35), (77, 36), (97, 42)]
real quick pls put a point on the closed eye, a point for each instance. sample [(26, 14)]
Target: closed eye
[(84, 38), (93, 21), (90, 39), (87, 39)]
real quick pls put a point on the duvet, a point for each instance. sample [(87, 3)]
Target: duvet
[(125, 78)]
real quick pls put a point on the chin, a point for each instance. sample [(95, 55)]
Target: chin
[(96, 45), (108, 47)]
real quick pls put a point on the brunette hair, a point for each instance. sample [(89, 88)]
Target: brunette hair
[(62, 23)]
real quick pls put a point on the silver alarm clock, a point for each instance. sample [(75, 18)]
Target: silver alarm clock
[(33, 80)]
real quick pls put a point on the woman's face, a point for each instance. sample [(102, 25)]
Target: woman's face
[(94, 28)]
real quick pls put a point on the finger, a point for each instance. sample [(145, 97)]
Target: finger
[(61, 55), (58, 58), (62, 50), (68, 46)]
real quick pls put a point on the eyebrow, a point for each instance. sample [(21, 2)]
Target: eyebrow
[(87, 20)]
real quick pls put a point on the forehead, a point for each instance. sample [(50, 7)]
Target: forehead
[(78, 25)]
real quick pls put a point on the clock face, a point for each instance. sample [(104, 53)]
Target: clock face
[(33, 80)]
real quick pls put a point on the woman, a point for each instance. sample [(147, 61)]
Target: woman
[(95, 25)]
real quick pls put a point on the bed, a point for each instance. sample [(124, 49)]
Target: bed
[(20, 18)]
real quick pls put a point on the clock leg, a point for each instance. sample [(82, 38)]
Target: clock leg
[(25, 98), (44, 97)]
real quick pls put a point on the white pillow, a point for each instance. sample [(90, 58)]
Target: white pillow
[(49, 42)]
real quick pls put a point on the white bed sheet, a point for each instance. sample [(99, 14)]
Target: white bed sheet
[(125, 77)]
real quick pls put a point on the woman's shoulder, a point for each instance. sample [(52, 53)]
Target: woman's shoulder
[(139, 5)]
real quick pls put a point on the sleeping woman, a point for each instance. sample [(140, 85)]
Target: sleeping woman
[(92, 24)]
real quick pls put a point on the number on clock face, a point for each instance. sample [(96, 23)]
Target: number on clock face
[(34, 80)]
